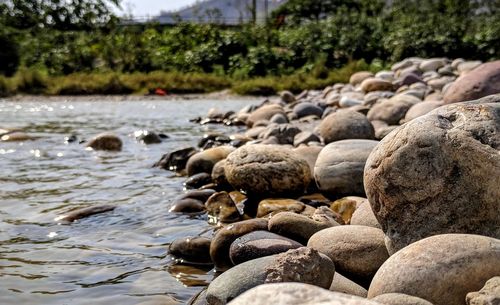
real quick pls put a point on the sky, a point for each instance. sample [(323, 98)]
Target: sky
[(152, 7)]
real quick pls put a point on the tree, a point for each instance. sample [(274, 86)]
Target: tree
[(57, 14)]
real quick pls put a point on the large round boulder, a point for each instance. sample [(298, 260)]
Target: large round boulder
[(346, 124), (267, 170), (339, 168), (438, 174), (441, 269), (482, 81)]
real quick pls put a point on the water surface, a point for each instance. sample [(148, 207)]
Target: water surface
[(119, 257)]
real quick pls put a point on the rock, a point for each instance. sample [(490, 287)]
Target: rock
[(284, 133), (432, 64), (372, 97), (358, 77), (420, 109), (467, 66), (237, 280), (304, 265), (298, 265), (213, 139), (445, 164), (204, 161), (301, 227), (287, 97), (344, 285), (267, 170), (279, 118), (187, 205), (385, 75), (273, 206), (254, 132), (219, 176), (482, 81), (15, 136), (346, 207), (105, 141), (219, 248), (488, 295), (310, 154), (356, 251), (441, 269), (393, 109), (364, 216), (305, 137), (265, 112), (147, 137), (439, 83), (345, 124), (221, 207), (259, 244), (339, 168), (347, 102), (295, 294), (410, 78), (384, 131), (375, 84), (176, 160), (305, 109), (400, 299), (84, 213), (197, 181), (194, 250), (201, 195)]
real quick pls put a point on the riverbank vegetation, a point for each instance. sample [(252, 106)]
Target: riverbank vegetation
[(81, 48)]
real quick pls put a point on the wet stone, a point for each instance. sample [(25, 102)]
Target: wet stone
[(197, 181), (191, 250)]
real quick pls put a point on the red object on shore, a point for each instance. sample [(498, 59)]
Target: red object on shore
[(160, 91)]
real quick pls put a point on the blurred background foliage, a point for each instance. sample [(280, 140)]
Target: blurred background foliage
[(303, 38)]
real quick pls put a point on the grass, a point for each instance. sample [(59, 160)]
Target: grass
[(28, 81)]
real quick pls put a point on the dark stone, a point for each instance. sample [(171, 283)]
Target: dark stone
[(197, 181), (176, 160), (85, 212), (195, 250)]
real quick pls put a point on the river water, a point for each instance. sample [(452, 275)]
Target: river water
[(119, 257)]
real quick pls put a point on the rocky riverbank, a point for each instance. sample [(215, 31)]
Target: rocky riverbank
[(384, 190)]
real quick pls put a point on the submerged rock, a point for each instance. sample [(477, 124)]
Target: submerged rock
[(105, 141), (191, 250), (85, 212)]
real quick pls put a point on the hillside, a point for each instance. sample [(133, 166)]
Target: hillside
[(223, 11)]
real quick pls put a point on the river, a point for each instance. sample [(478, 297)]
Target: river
[(119, 257)]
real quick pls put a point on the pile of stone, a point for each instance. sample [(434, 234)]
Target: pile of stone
[(385, 190)]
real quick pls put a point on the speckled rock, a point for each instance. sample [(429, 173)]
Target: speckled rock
[(301, 227), (297, 294), (204, 161), (364, 216), (265, 112), (219, 248), (488, 295), (267, 170), (106, 141), (191, 249), (445, 163), (357, 251), (345, 124), (259, 244), (400, 299), (393, 109), (441, 269), (482, 81), (344, 285), (339, 168)]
